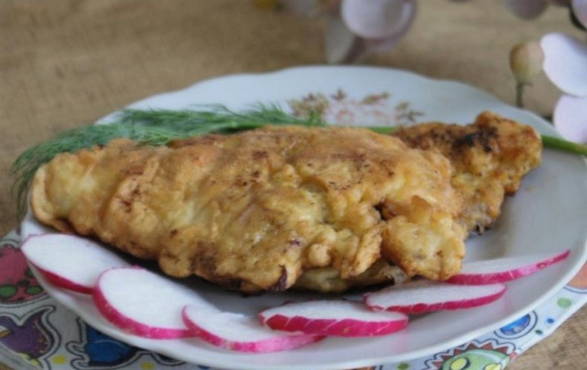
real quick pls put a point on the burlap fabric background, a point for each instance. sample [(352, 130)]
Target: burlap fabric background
[(64, 63)]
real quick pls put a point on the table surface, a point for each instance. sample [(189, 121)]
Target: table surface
[(65, 63)]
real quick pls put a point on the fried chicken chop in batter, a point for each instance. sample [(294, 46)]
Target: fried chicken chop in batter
[(490, 157), (318, 208), (253, 211)]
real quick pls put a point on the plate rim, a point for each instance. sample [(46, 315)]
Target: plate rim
[(373, 361), (212, 79)]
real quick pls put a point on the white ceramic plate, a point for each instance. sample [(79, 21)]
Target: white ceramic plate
[(548, 214)]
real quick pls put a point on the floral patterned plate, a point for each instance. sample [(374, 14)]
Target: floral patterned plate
[(548, 214)]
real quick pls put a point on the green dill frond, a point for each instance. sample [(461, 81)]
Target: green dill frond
[(216, 118)]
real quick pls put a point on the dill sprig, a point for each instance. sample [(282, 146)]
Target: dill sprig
[(211, 119), (159, 126)]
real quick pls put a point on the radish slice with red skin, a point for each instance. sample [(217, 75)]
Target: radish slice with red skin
[(427, 296), (333, 318), (501, 270), (69, 261), (144, 303), (239, 332), (64, 283)]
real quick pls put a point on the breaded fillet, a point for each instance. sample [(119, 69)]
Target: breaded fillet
[(490, 157), (322, 209), (262, 209)]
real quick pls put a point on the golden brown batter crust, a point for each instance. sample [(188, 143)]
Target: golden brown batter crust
[(490, 158), (253, 211)]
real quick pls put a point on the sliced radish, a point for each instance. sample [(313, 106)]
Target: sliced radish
[(426, 296), (239, 332), (69, 261), (501, 270), (335, 318), (145, 303)]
